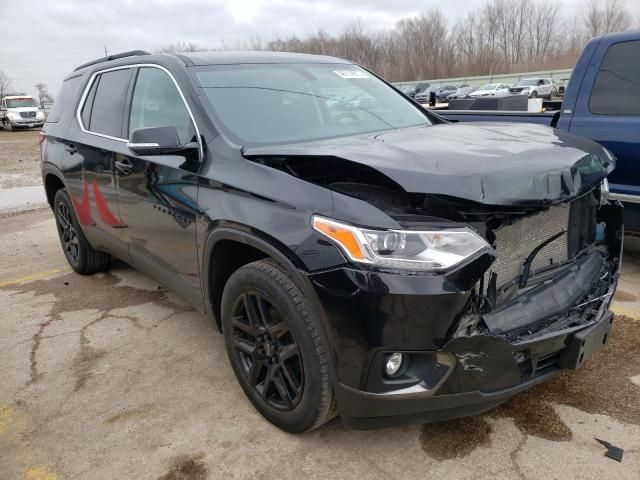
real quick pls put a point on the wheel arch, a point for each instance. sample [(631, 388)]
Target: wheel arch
[(262, 248), (228, 248), (53, 181)]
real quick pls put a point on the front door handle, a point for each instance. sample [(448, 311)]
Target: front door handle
[(125, 167), (71, 149)]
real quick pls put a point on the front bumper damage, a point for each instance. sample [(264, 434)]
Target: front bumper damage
[(455, 370)]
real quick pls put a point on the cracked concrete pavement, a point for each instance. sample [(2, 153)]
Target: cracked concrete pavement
[(114, 376)]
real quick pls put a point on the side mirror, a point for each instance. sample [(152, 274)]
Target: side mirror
[(158, 141)]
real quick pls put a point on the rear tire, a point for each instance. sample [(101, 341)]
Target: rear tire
[(80, 255), (275, 347)]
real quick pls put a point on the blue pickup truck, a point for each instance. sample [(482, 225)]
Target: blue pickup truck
[(602, 103)]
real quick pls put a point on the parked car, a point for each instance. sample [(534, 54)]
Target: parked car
[(409, 91), (462, 92), (491, 90), (562, 87), (424, 96), (371, 263), (20, 111), (535, 87), (601, 102), (444, 91), (419, 88)]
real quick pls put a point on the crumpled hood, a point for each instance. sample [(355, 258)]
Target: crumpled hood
[(490, 163)]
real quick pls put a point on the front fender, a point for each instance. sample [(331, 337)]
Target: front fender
[(286, 258)]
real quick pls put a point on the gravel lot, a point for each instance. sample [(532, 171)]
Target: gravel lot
[(20, 180), (112, 376), (19, 159)]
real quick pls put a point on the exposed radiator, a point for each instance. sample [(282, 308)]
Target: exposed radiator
[(516, 241)]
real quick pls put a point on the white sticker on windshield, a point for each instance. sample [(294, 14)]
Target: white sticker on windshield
[(351, 74)]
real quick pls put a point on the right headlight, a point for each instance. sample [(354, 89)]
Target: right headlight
[(425, 250)]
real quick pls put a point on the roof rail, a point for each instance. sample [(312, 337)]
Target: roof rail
[(115, 56)]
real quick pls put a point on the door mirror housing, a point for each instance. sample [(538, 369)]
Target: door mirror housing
[(158, 141)]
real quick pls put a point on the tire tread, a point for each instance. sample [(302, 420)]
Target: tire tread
[(94, 260), (328, 405)]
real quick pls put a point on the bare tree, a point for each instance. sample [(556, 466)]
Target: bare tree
[(43, 94), (606, 16), (5, 84), (501, 36), (181, 46)]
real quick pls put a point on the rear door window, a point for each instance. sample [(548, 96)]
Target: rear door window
[(157, 102), (616, 90), (108, 103)]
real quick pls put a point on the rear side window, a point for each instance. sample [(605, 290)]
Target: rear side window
[(108, 103), (65, 96), (156, 102), (88, 103), (616, 90)]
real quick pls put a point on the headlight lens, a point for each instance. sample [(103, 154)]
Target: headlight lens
[(40, 116), (13, 116), (427, 250)]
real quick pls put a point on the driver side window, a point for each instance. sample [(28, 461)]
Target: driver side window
[(156, 102)]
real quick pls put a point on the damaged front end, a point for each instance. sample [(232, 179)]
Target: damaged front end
[(543, 303), (475, 336), (532, 303)]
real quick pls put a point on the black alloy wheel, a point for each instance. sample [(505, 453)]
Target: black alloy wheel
[(276, 347), (79, 253), (268, 351), (68, 233)]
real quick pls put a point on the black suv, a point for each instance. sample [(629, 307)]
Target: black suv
[(360, 254)]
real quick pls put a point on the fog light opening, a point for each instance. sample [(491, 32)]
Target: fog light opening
[(393, 364)]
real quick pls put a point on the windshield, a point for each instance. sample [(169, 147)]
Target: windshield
[(20, 102), (279, 103), (490, 86), (528, 81)]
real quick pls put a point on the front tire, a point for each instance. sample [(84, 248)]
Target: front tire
[(534, 94), (275, 347), (80, 255)]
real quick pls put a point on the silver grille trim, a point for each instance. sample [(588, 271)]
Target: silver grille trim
[(516, 241)]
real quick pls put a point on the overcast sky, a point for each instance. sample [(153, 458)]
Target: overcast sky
[(43, 40)]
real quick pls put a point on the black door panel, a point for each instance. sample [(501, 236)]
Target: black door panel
[(157, 194)]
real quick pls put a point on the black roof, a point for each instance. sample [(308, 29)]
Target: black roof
[(229, 58), (209, 58)]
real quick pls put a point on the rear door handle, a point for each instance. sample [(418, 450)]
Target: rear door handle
[(124, 166), (71, 149)]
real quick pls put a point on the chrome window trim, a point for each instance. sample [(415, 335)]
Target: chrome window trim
[(132, 66), (142, 145), (625, 197)]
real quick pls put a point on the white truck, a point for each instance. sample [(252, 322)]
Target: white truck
[(20, 111)]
